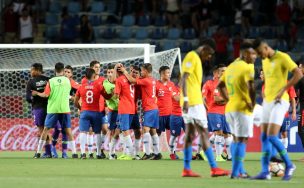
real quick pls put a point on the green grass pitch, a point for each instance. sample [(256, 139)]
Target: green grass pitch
[(18, 169)]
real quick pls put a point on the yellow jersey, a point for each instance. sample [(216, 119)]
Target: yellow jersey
[(276, 71), (192, 64), (236, 78)]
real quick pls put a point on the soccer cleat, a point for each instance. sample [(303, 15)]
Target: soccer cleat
[(262, 176), (102, 154), (54, 152), (289, 172), (229, 159), (189, 173), (146, 157), (37, 155), (83, 156), (245, 176), (121, 157), (75, 156), (127, 158), (176, 156), (197, 157), (215, 172), (276, 159), (137, 157), (172, 156), (202, 154), (224, 155), (64, 155), (156, 157), (46, 156), (219, 158), (91, 156), (113, 156)]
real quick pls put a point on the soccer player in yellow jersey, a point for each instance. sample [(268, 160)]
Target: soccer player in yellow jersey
[(276, 65), (194, 112), (238, 79)]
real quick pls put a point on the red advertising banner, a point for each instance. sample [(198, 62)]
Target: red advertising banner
[(19, 134)]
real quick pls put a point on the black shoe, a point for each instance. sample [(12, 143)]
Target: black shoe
[(245, 176), (275, 159), (82, 156), (46, 156), (37, 155), (157, 157), (229, 159), (224, 155), (75, 156), (199, 157), (103, 155), (146, 157), (91, 156)]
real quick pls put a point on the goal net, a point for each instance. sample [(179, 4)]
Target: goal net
[(17, 131)]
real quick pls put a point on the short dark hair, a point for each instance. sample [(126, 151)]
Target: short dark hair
[(135, 67), (148, 67), (69, 67), (89, 73), (38, 67), (214, 68), (163, 68), (261, 70), (221, 65), (94, 62), (59, 67), (246, 45), (209, 42), (257, 42), (110, 66)]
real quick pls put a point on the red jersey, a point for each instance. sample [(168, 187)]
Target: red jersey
[(137, 96), (209, 91), (291, 92), (126, 92), (164, 97), (90, 95), (74, 84), (176, 108), (148, 93), (99, 81)]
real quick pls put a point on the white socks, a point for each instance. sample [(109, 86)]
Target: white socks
[(285, 142), (40, 145), (228, 142), (103, 138), (172, 143), (90, 143), (137, 146), (211, 140), (98, 143), (72, 146), (218, 144), (83, 141), (129, 145), (112, 146), (155, 140), (146, 142)]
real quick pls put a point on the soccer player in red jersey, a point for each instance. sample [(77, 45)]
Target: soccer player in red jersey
[(125, 91), (90, 92), (164, 91), (96, 66), (149, 104)]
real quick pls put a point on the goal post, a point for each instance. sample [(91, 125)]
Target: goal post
[(17, 131)]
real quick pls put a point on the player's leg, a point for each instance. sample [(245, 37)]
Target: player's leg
[(135, 125), (55, 136), (217, 127), (227, 137), (124, 125), (301, 126), (96, 122), (283, 131), (84, 126), (104, 131), (114, 134), (146, 142), (175, 130), (65, 122), (153, 121), (90, 142), (64, 144), (276, 120)]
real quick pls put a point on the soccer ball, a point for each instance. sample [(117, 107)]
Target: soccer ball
[(276, 169)]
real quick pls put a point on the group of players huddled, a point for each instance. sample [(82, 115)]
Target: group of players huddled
[(222, 108)]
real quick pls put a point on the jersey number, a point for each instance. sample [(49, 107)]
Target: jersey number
[(230, 86), (89, 97)]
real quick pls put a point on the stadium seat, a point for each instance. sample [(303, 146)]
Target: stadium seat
[(282, 45), (144, 20), (299, 47), (97, 7), (189, 33), (168, 44), (185, 46), (95, 20), (174, 33), (55, 7), (125, 33), (157, 34), (74, 7), (254, 32), (109, 33), (76, 19), (160, 21), (51, 19), (51, 32), (141, 34), (128, 20)]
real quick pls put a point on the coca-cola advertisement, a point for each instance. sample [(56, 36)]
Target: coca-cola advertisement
[(19, 134)]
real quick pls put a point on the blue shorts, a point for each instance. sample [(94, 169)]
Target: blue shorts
[(135, 122), (112, 117), (151, 119), (176, 124), (124, 121), (164, 123), (90, 118), (285, 125), (217, 122), (51, 120)]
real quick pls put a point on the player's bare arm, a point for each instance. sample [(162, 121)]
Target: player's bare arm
[(125, 72), (36, 93), (76, 102), (222, 89), (251, 94), (294, 109), (219, 100), (185, 94)]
